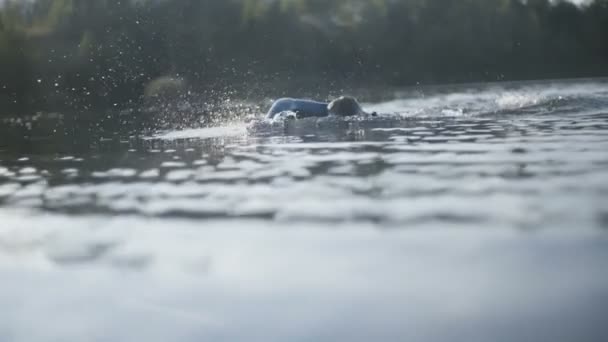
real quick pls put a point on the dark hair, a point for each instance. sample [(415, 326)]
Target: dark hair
[(344, 106)]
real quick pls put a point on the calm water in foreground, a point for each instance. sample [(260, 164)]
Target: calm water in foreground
[(471, 213)]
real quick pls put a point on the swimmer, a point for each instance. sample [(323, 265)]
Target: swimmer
[(342, 106)]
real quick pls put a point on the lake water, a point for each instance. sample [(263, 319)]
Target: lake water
[(462, 213)]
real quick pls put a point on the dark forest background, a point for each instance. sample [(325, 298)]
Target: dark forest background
[(84, 54)]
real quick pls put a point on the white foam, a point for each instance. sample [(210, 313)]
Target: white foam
[(474, 101), (204, 133)]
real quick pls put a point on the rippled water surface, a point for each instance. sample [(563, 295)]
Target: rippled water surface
[(463, 213)]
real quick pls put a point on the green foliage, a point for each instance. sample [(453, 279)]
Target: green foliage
[(88, 53)]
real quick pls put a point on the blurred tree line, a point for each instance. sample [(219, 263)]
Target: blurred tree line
[(85, 54)]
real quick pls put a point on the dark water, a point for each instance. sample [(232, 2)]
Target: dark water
[(464, 213)]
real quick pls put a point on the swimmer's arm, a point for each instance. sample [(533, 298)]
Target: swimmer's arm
[(308, 108), (280, 105), (303, 108)]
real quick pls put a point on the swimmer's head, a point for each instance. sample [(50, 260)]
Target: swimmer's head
[(344, 106)]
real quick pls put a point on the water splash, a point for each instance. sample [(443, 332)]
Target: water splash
[(498, 99)]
